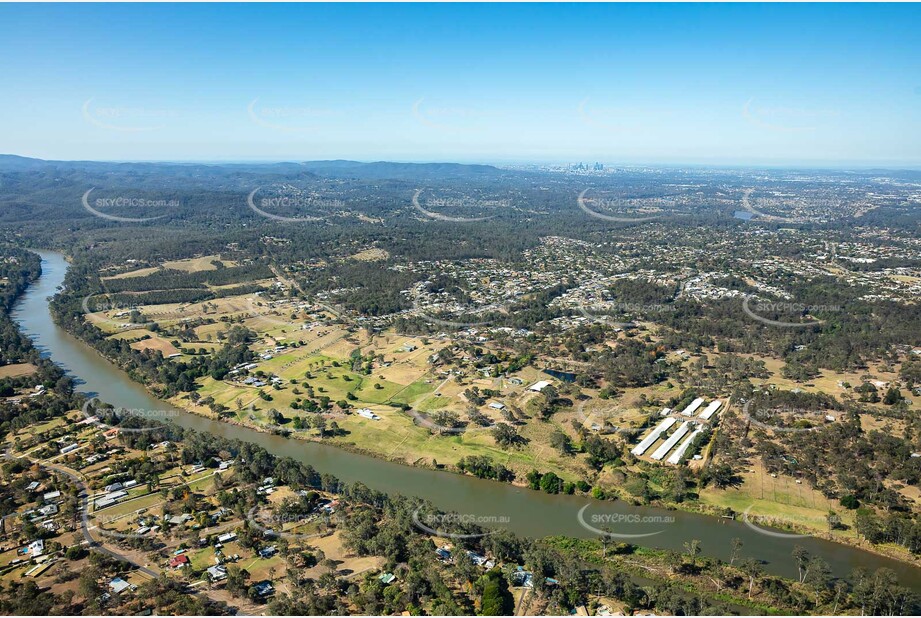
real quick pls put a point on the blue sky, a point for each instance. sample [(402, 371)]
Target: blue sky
[(722, 84)]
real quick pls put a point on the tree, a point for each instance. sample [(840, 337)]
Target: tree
[(819, 576), (561, 442), (319, 423), (693, 550), (496, 599), (236, 580), (752, 568), (735, 549), (505, 435), (850, 502), (801, 558), (551, 483)]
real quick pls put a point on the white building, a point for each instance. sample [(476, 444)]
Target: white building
[(649, 440), (679, 452), (692, 407), (669, 444), (711, 409)]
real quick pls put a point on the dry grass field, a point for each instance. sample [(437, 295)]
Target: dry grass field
[(17, 370), (156, 343)]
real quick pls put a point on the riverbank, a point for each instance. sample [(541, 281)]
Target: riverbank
[(527, 512), (759, 519)]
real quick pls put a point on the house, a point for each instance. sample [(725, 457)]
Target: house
[(48, 510), (267, 552), (522, 578), (443, 553), (51, 495), (497, 406), (177, 562), (32, 486), (178, 520), (227, 537), (387, 578), (539, 386), (366, 413), (264, 588), (36, 548), (118, 585), (217, 573), (476, 558)]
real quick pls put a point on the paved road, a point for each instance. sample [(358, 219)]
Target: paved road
[(83, 495)]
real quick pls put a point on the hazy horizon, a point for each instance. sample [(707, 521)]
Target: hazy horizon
[(751, 85)]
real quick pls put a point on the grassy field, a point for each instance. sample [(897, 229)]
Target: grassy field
[(156, 343), (188, 265), (17, 370), (348, 564), (781, 499)]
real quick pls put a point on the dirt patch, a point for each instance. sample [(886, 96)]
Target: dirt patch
[(156, 343), (17, 370), (348, 564)]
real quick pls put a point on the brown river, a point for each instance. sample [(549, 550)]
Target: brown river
[(524, 511)]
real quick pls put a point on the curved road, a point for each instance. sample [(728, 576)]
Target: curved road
[(83, 495)]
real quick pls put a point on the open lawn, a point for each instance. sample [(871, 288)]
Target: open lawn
[(780, 499), (156, 343), (17, 370), (347, 564)]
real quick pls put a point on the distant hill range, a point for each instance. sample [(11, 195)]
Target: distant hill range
[(379, 170)]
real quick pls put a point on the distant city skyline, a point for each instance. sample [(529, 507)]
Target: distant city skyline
[(793, 85)]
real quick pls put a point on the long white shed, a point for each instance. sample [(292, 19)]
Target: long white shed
[(649, 440), (669, 444), (692, 407), (711, 409), (679, 452)]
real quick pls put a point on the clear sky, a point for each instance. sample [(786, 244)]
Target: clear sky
[(723, 84)]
